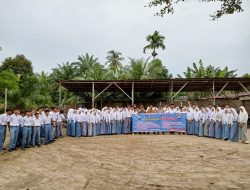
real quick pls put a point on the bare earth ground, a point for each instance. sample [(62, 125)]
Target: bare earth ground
[(129, 162)]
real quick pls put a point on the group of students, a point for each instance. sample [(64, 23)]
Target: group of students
[(45, 125), (94, 122), (31, 128), (225, 122), (217, 122)]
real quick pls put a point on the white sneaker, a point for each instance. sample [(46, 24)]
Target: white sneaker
[(246, 142)]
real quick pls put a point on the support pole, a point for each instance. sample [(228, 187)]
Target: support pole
[(213, 94), (132, 93), (244, 87), (60, 95), (103, 90), (171, 91), (179, 90), (123, 91), (222, 89), (5, 99), (93, 95)]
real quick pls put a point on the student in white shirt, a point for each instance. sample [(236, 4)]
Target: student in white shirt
[(234, 132), (60, 120), (78, 123), (37, 123), (47, 122), (4, 121), (190, 121), (196, 114), (211, 133), (226, 123), (27, 124), (84, 123), (218, 126), (202, 117), (15, 122), (243, 118), (207, 122), (73, 124)]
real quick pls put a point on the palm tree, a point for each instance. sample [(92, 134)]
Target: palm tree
[(155, 41), (65, 71), (138, 68), (114, 61), (84, 63)]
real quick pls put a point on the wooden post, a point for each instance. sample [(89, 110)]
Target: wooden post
[(5, 99)]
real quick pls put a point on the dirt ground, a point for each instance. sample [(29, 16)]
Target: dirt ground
[(129, 162)]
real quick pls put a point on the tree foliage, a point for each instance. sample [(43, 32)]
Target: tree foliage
[(226, 7), (155, 41), (199, 71)]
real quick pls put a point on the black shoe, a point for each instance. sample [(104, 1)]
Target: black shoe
[(39, 145)]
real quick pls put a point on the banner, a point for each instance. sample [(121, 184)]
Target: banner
[(155, 122)]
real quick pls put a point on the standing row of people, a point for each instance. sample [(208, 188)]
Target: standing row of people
[(30, 129), (94, 122)]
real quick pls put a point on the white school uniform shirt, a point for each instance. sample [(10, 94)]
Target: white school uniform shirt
[(94, 119), (47, 120), (208, 115), (218, 115), (83, 117), (4, 119), (196, 115), (190, 115), (213, 116), (37, 122), (243, 116), (54, 115), (15, 120), (60, 117), (226, 118), (235, 115), (79, 118), (27, 121)]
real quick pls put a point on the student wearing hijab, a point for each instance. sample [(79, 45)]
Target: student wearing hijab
[(202, 117), (190, 123), (196, 114), (243, 118), (234, 127), (211, 133), (207, 122), (78, 124), (90, 126), (226, 123), (218, 126), (73, 124), (114, 121), (84, 123), (69, 119)]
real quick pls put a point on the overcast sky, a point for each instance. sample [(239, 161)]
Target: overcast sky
[(49, 32)]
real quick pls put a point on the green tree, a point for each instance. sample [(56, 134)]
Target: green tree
[(18, 65), (156, 70), (114, 61), (137, 69), (66, 71), (226, 7), (199, 71), (246, 75), (84, 63), (8, 80), (155, 41)]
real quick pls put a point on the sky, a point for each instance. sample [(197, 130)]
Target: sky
[(52, 32)]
